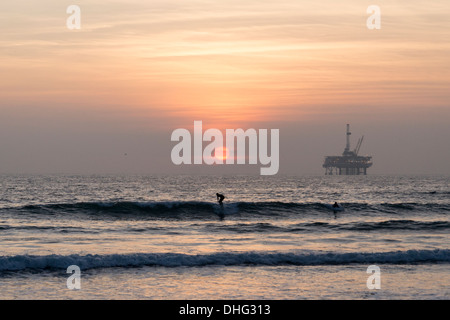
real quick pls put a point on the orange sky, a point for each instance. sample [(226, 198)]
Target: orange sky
[(224, 59), (228, 63)]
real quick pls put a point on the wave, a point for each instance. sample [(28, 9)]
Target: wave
[(181, 209), (86, 262), (41, 228), (164, 209), (399, 224), (255, 227), (388, 225)]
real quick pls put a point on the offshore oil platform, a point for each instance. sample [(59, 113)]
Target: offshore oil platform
[(349, 163)]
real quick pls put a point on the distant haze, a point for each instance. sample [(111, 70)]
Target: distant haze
[(106, 98)]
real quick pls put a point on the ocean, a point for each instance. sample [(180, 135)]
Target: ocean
[(156, 237)]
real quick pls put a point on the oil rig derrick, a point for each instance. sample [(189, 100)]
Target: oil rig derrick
[(350, 163)]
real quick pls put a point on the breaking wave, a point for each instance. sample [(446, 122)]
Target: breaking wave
[(183, 209), (86, 262)]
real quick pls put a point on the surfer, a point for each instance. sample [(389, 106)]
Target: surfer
[(220, 198), (335, 205)]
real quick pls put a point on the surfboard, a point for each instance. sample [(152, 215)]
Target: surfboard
[(330, 207)]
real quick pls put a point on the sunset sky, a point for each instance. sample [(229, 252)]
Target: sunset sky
[(105, 98)]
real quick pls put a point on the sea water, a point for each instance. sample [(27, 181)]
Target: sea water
[(166, 237)]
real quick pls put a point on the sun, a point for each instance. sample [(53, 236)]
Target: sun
[(221, 153)]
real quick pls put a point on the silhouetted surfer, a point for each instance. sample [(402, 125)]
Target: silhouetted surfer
[(335, 207), (220, 198)]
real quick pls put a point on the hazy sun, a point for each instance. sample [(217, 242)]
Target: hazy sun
[(221, 153)]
